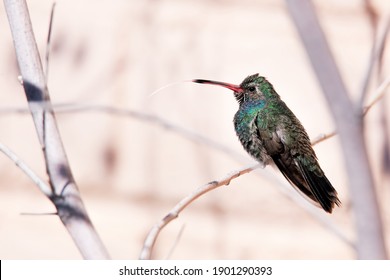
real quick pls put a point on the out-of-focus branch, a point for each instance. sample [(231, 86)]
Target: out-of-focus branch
[(67, 108), (349, 121), (377, 95), (376, 54), (154, 119), (371, 14), (64, 193), (323, 137), (191, 135)]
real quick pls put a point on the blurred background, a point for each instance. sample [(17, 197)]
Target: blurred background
[(133, 168)]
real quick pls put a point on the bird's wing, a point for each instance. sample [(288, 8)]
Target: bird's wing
[(297, 162), (271, 137)]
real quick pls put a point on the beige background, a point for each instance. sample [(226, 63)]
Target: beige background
[(131, 172)]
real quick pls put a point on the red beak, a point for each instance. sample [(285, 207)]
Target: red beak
[(232, 87)]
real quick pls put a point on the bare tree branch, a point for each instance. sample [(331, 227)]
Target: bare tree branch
[(152, 236), (64, 193), (372, 15), (45, 188), (175, 211), (349, 121), (378, 95), (138, 115), (376, 51), (323, 137), (48, 43), (175, 243)]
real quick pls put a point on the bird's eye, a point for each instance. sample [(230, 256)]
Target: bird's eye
[(252, 89)]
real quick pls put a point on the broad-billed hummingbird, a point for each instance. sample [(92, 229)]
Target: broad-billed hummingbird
[(270, 132)]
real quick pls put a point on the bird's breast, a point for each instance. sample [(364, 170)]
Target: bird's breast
[(248, 134)]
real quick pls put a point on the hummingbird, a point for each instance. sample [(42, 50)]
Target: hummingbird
[(271, 133)]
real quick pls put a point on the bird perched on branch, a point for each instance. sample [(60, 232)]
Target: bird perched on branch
[(270, 132)]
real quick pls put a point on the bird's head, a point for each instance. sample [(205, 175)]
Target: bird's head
[(252, 89)]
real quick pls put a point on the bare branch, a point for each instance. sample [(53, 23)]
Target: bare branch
[(378, 95), (45, 188), (376, 53), (138, 115), (186, 133), (371, 244), (372, 15), (152, 236), (323, 137), (175, 211), (175, 243), (64, 193), (48, 42)]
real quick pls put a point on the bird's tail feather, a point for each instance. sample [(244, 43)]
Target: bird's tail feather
[(317, 188), (321, 188)]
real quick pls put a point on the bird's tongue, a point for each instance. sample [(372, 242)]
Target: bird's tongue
[(232, 87)]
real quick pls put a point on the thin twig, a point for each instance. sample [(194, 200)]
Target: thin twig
[(179, 235), (42, 185), (377, 49), (66, 108), (48, 42), (175, 211), (322, 137), (154, 119), (378, 95), (39, 214)]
